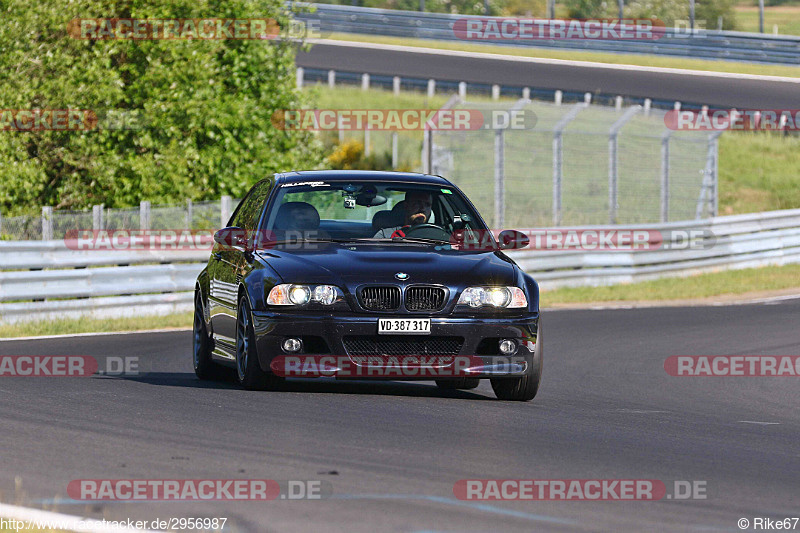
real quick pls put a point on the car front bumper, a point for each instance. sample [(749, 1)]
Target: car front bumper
[(325, 335)]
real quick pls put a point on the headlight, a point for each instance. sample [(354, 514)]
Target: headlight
[(291, 294), (299, 294), (325, 294), (502, 297)]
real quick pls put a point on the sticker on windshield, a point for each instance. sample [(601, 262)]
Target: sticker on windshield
[(308, 183)]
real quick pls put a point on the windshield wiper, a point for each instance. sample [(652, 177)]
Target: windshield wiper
[(295, 241), (411, 239)]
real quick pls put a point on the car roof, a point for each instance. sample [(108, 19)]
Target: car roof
[(360, 175)]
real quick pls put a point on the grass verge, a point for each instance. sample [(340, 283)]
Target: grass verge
[(786, 17), (758, 172), (728, 282), (94, 325), (573, 55)]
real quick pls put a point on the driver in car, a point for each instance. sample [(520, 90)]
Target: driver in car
[(417, 211)]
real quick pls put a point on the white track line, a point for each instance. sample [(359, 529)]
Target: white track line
[(90, 334), (547, 61), (48, 519)]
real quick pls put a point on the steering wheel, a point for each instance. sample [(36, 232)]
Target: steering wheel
[(428, 231)]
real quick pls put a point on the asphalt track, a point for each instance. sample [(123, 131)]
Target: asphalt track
[(392, 451), (715, 91)]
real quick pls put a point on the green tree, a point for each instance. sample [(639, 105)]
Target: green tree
[(587, 9), (668, 11), (204, 106), (709, 11)]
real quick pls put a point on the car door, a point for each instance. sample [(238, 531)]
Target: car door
[(231, 264)]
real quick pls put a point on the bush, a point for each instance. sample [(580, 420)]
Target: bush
[(710, 10), (350, 156), (589, 9)]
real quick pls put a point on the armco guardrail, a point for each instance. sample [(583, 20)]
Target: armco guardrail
[(50, 280), (739, 241), (46, 280), (738, 46)]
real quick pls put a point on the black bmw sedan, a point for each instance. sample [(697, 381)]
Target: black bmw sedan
[(366, 275)]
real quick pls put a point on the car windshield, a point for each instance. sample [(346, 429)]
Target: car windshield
[(365, 211)]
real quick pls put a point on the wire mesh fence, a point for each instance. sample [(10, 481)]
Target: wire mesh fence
[(57, 224), (579, 164)]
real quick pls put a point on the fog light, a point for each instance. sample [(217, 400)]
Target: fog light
[(507, 346), (292, 345)]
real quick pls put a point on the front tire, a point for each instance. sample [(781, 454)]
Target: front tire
[(522, 389), (248, 371)]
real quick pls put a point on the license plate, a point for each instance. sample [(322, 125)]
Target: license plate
[(404, 326)]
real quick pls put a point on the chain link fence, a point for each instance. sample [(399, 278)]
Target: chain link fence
[(579, 164), (56, 224)]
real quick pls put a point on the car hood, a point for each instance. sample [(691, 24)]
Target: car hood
[(354, 264)]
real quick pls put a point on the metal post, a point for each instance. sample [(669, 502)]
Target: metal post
[(394, 151), (462, 89), (665, 175), (144, 215), (613, 162), (426, 157), (47, 223), (299, 79), (551, 9), (558, 155), (331, 78), (618, 103), (422, 5), (526, 93), (224, 210), (364, 81), (621, 6), (647, 104), (189, 213), (396, 85), (761, 16), (715, 198), (499, 178), (431, 88), (97, 222), (709, 190), (587, 98), (427, 139), (691, 17), (558, 97), (495, 92)]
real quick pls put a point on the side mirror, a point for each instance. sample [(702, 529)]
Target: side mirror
[(231, 237), (512, 239)]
